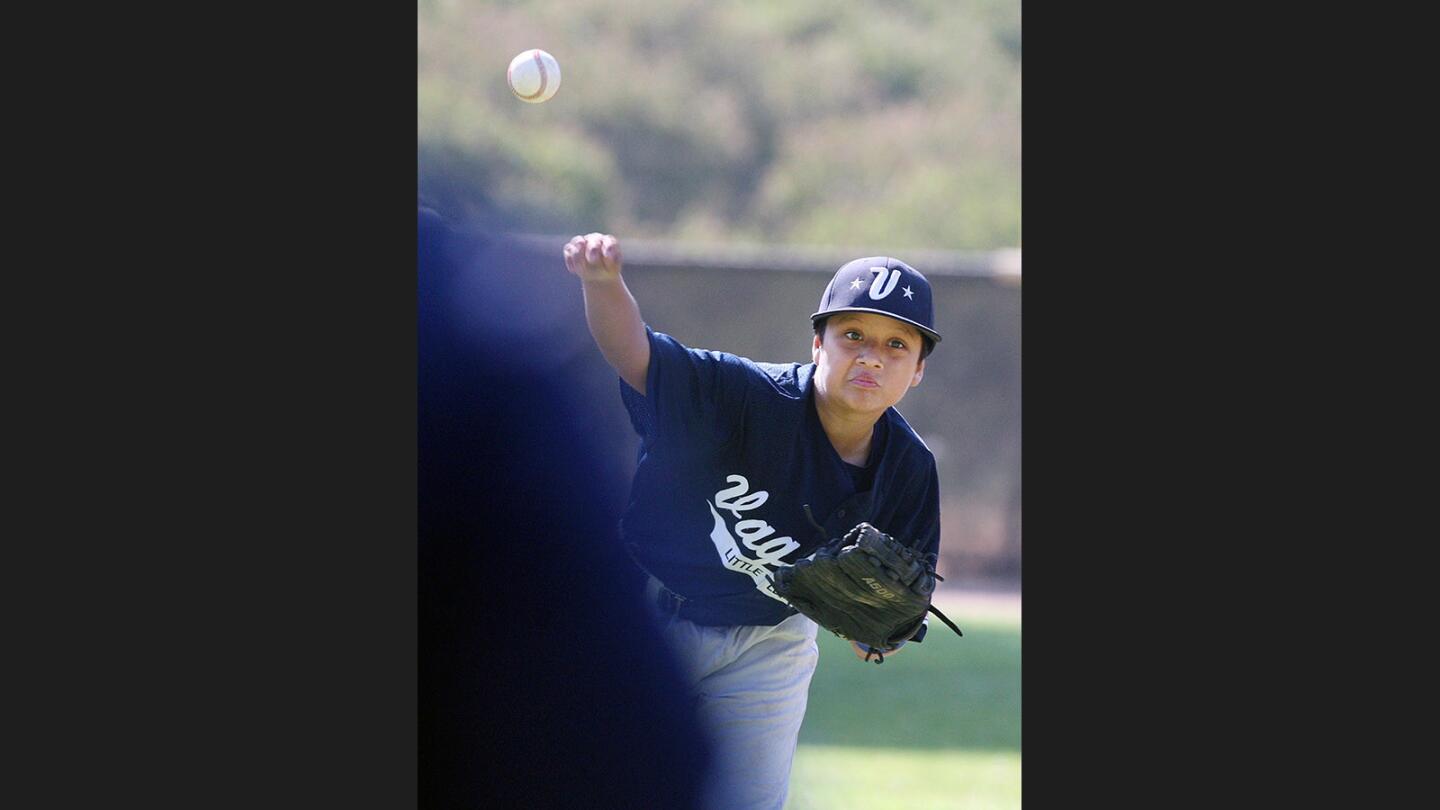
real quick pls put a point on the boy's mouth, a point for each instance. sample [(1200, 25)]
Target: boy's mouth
[(865, 381)]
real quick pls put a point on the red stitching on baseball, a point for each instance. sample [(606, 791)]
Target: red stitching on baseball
[(539, 63)]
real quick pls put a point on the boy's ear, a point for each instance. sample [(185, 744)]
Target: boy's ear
[(815, 350), (919, 373)]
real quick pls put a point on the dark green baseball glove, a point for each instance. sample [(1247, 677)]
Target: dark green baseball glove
[(866, 587)]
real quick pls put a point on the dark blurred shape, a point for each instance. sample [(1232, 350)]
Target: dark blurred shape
[(543, 682)]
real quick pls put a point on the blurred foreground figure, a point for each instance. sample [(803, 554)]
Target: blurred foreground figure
[(543, 683)]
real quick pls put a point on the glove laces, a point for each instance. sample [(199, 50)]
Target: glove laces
[(824, 538)]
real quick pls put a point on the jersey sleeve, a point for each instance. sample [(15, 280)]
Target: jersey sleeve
[(691, 395)]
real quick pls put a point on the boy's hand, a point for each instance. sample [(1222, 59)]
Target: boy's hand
[(593, 257)]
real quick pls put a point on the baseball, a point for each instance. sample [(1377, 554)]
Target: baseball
[(534, 76)]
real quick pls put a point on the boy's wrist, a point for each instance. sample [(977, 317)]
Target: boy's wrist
[(600, 282), (867, 648)]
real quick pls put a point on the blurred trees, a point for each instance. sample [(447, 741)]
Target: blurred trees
[(891, 123)]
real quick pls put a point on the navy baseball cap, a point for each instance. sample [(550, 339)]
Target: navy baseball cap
[(882, 285)]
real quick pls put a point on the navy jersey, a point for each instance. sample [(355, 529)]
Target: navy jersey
[(731, 453)]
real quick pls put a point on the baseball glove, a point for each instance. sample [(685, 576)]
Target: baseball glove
[(866, 587)]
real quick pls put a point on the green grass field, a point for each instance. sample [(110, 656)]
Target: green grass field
[(935, 727)]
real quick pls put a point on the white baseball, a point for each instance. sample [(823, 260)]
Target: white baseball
[(534, 76)]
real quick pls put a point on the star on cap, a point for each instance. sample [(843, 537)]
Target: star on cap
[(909, 293), (857, 283)]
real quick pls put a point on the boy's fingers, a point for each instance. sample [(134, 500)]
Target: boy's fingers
[(610, 253), (571, 252), (592, 252)]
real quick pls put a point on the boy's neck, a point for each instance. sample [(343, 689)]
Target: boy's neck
[(849, 435)]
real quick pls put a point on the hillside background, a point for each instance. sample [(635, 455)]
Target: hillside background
[(767, 142), (801, 122)]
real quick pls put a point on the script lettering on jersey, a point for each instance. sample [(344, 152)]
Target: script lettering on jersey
[(754, 534)]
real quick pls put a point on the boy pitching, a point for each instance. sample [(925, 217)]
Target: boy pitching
[(746, 467)]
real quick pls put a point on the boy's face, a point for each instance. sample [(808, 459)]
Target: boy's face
[(866, 362)]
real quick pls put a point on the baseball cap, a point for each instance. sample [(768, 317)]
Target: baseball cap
[(885, 286)]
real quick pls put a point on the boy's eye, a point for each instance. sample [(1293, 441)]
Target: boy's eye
[(897, 343), (852, 334)]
